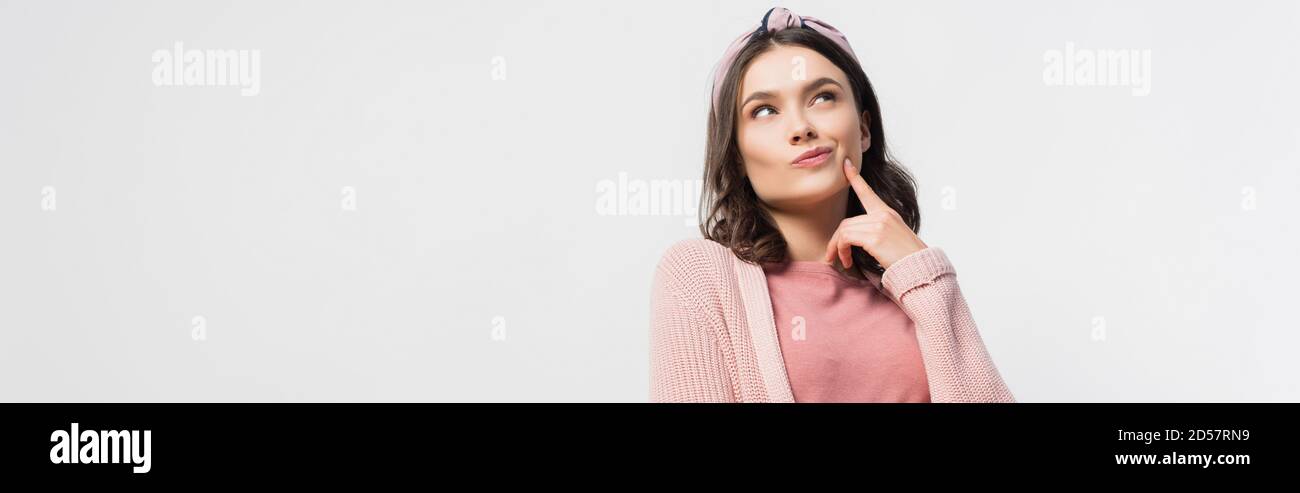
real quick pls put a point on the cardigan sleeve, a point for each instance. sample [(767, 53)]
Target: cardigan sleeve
[(958, 366), (686, 363)]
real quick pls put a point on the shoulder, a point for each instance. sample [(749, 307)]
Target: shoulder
[(697, 264), (696, 251)]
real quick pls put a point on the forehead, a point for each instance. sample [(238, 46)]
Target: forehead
[(776, 70)]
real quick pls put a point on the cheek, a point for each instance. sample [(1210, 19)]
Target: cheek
[(760, 149), (842, 126)]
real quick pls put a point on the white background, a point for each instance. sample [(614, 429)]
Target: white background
[(1079, 210)]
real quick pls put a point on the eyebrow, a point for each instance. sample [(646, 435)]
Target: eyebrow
[(810, 86)]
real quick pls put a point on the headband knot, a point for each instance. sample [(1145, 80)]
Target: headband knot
[(776, 19)]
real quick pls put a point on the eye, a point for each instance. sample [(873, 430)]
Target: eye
[(755, 112), (827, 95)]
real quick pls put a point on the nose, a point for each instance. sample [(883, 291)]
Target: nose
[(803, 131)]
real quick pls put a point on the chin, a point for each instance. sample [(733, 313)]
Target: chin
[(821, 185), (810, 190)]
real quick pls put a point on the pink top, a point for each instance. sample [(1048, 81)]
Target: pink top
[(713, 333), (842, 339)]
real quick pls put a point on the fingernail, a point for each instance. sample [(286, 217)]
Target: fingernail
[(849, 162)]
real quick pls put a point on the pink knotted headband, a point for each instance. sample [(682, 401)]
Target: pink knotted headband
[(774, 20)]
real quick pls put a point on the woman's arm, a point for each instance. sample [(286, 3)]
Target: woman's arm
[(686, 364), (922, 281), (957, 364)]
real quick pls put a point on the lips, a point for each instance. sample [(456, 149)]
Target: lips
[(812, 157)]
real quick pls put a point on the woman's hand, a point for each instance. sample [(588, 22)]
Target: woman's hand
[(881, 231)]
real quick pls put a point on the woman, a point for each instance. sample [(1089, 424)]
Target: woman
[(810, 284)]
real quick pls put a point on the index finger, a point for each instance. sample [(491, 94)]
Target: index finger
[(870, 201)]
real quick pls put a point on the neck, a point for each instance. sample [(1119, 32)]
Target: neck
[(808, 229)]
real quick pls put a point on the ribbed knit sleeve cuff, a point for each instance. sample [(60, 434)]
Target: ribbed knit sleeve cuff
[(916, 269)]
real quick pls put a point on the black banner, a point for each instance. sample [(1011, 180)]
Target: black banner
[(150, 442)]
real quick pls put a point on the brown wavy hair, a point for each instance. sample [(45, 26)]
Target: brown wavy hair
[(730, 210)]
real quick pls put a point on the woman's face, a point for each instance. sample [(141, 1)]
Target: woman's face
[(793, 100)]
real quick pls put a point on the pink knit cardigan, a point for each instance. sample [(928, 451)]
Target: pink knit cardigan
[(713, 339)]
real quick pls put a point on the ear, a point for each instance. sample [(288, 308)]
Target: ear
[(865, 123)]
